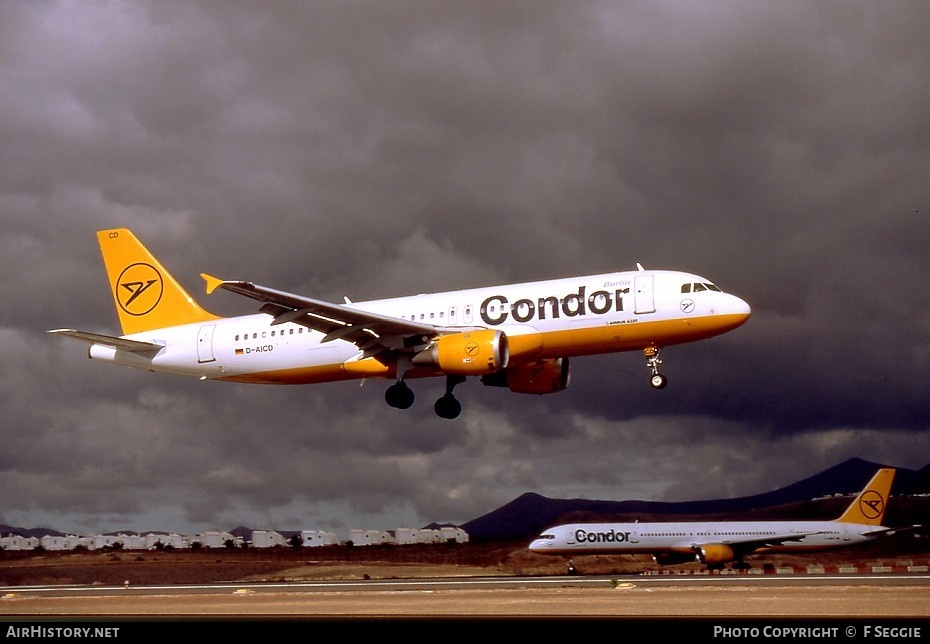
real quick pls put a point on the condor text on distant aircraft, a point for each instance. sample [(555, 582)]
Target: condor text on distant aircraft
[(716, 543), (519, 336)]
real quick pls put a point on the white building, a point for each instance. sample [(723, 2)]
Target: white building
[(406, 536), (17, 542), (315, 538), (453, 534), (370, 537), (51, 542), (166, 539), (216, 539), (100, 541), (267, 539)]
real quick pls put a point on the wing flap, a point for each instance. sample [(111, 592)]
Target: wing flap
[(122, 344)]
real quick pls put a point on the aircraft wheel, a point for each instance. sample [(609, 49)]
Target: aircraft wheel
[(448, 407), (399, 396), (658, 381)]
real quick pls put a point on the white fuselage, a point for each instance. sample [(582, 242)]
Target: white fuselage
[(547, 319), (679, 538)]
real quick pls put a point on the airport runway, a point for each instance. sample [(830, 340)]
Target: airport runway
[(847, 596)]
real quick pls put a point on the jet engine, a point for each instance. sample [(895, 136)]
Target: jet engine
[(539, 377), (470, 353), (715, 553), (672, 558)]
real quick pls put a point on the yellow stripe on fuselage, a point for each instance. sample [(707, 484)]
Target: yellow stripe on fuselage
[(633, 336)]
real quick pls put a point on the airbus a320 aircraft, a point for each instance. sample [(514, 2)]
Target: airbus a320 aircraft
[(716, 543), (519, 336)]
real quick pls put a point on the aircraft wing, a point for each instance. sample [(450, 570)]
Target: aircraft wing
[(748, 544), (370, 332), (122, 344)]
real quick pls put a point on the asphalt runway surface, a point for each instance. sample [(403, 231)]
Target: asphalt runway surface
[(846, 596)]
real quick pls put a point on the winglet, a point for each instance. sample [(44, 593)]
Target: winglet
[(213, 283)]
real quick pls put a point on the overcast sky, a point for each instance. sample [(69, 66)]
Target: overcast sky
[(374, 149)]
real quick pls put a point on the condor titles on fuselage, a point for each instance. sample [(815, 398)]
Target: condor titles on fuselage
[(518, 336)]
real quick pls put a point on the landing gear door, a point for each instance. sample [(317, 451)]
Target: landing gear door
[(643, 293), (205, 344)]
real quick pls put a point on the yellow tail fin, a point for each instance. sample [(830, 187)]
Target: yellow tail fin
[(869, 506), (147, 297)]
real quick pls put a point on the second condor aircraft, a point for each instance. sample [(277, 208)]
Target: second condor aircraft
[(716, 543), (519, 336)]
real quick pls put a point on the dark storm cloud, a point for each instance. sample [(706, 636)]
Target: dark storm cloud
[(369, 150)]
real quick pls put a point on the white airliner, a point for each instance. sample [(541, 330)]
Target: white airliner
[(716, 543), (519, 336)]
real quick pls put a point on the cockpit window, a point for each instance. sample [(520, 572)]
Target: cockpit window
[(699, 286)]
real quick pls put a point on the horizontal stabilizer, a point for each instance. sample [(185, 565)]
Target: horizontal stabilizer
[(121, 344), (890, 532)]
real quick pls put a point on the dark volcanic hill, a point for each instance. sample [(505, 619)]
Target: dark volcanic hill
[(529, 514)]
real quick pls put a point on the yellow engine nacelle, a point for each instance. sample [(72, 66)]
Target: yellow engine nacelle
[(470, 353), (715, 553), (538, 377)]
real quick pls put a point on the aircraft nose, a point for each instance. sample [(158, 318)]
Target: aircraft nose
[(741, 307), (733, 313)]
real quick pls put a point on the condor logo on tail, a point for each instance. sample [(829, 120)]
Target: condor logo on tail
[(140, 289), (872, 504)]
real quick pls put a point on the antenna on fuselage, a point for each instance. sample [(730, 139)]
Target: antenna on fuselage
[(639, 267)]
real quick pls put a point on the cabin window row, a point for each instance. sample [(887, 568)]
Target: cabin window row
[(264, 334), (424, 316)]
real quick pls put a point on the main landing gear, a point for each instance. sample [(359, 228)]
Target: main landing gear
[(400, 396), (657, 380)]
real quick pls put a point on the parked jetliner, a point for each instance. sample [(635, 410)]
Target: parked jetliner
[(519, 336), (716, 543)]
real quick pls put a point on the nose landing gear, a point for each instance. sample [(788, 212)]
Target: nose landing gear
[(657, 380)]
